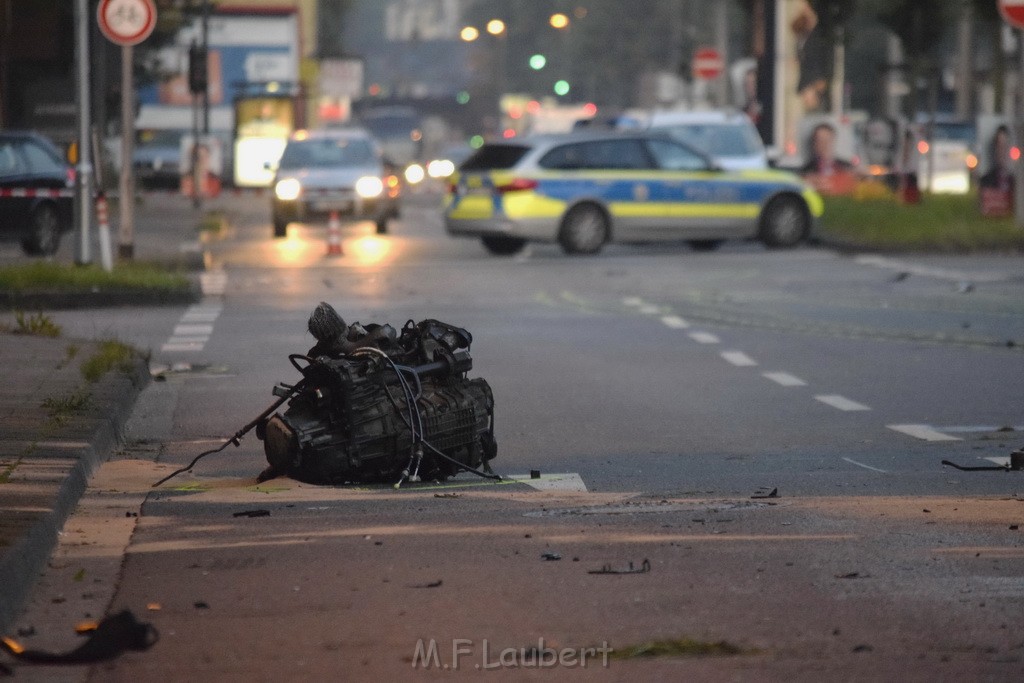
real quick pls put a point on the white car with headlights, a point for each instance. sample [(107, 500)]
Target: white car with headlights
[(333, 171)]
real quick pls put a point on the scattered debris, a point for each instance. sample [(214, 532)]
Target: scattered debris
[(154, 607), (964, 287), (447, 495), (644, 567), (1016, 464), (199, 604), (534, 474), (432, 584), (899, 277), (551, 557), (853, 575), (112, 636), (1014, 527), (252, 513), (862, 648), (84, 627), (774, 493), (26, 632)]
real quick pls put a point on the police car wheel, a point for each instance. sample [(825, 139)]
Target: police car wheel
[(502, 246), (382, 226), (784, 222), (280, 227), (584, 230), (44, 237)]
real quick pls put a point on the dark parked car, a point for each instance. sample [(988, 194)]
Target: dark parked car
[(36, 193)]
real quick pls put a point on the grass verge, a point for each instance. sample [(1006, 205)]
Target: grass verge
[(58, 277), (940, 223), (111, 355)]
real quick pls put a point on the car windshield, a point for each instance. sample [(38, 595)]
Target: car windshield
[(490, 157), (719, 139), (326, 153)]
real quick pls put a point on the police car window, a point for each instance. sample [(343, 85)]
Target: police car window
[(490, 157), (40, 160), (597, 154), (673, 157)]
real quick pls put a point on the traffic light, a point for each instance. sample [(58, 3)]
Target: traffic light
[(196, 69)]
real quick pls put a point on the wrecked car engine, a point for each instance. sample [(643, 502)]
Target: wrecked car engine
[(376, 404)]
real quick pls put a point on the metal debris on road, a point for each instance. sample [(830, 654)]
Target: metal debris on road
[(432, 584), (551, 557), (774, 493), (252, 513), (644, 567)]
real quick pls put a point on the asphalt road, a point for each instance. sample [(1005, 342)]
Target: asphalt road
[(667, 386)]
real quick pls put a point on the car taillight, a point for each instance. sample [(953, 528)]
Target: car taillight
[(517, 185), (70, 176), (453, 188)]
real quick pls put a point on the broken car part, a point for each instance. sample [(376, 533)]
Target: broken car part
[(375, 404)]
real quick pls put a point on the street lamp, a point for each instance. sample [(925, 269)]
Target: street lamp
[(559, 21), (495, 27), (469, 33)]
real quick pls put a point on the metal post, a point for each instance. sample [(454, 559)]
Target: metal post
[(126, 235), (1018, 195), (83, 177), (206, 51), (722, 45)]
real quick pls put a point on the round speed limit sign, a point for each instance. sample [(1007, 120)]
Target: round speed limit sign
[(126, 22)]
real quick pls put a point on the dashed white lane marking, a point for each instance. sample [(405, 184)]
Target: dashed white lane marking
[(195, 326), (923, 432), (649, 309), (841, 402), (552, 482), (632, 301), (927, 271), (704, 338), (785, 379), (867, 467), (1003, 461), (214, 282), (674, 322), (192, 330), (739, 359)]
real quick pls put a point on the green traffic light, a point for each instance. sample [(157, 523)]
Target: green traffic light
[(561, 87), (462, 97), (538, 62)]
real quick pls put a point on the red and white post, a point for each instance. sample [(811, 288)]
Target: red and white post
[(334, 235)]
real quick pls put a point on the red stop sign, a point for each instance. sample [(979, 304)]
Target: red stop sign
[(708, 63), (1013, 12)]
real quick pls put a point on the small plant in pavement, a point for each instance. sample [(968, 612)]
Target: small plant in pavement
[(111, 355), (36, 324)]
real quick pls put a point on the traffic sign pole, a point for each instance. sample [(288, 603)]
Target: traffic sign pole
[(1013, 14), (127, 23), (83, 184)]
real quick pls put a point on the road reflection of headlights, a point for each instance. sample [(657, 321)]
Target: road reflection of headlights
[(414, 174), (288, 189), (440, 168), (369, 187)]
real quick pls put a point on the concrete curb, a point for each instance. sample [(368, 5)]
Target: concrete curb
[(99, 298), (22, 560)]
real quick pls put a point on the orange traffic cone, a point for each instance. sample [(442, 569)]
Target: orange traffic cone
[(334, 235)]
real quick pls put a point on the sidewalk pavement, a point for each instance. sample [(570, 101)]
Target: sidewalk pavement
[(55, 428)]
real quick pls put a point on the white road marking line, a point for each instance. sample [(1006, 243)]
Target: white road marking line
[(169, 346), (199, 317), (649, 309), (675, 322), (739, 359), (569, 481), (785, 379), (867, 467), (1002, 461), (632, 301), (192, 330), (841, 402), (923, 432), (704, 338), (185, 339), (927, 271)]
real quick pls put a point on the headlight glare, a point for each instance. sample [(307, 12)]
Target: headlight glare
[(369, 187), (288, 189)]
